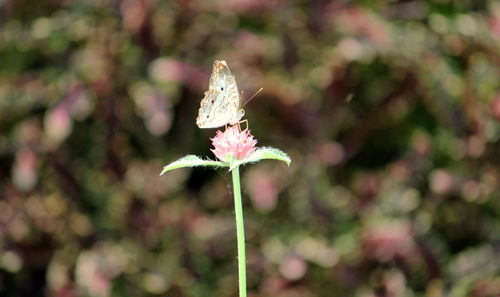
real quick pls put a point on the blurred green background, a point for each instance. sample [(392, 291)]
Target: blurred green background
[(390, 111)]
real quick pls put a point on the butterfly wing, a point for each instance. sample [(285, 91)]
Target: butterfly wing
[(215, 111), (234, 100), (221, 104)]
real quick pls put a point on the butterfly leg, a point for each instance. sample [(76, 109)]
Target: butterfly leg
[(244, 121)]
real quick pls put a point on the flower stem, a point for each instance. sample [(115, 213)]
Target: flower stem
[(240, 232)]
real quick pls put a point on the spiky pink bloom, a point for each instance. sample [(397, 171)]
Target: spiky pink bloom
[(240, 144)]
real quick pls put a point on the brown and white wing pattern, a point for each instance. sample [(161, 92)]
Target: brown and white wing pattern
[(214, 111), (221, 104)]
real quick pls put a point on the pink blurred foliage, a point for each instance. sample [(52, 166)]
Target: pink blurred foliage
[(98, 266), (172, 70), (263, 190), (58, 123), (367, 186), (272, 285), (255, 44), (244, 6), (485, 288), (67, 291), (293, 267), (24, 172), (134, 14), (281, 287), (25, 167), (441, 181), (100, 284), (494, 25), (363, 23), (388, 241), (330, 153), (264, 183), (400, 171), (156, 112), (495, 106), (393, 282)]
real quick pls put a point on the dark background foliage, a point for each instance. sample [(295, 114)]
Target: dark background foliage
[(389, 109)]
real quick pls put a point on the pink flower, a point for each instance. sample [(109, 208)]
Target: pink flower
[(240, 144)]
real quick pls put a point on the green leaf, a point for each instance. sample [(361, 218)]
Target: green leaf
[(261, 154), (191, 161)]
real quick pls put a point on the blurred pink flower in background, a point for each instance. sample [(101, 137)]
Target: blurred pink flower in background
[(64, 292), (441, 181), (153, 107), (363, 23), (98, 266), (293, 267), (58, 123), (257, 47), (330, 153), (134, 14), (263, 189), (494, 25), (90, 274), (421, 144), (24, 172), (400, 171), (495, 106), (166, 70), (265, 183), (484, 287), (169, 70), (79, 100), (242, 6), (386, 241), (240, 144)]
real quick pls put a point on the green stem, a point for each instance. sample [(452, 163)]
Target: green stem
[(240, 232)]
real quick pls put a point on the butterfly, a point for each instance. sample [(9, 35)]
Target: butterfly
[(222, 102)]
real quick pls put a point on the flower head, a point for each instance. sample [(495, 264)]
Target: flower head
[(233, 148), (240, 144)]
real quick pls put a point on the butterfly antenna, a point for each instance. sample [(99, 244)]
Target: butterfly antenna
[(255, 94)]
